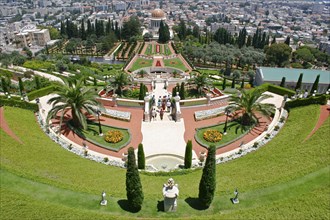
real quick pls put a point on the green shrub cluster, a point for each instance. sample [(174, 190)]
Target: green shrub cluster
[(276, 89), (4, 101), (40, 92), (319, 100)]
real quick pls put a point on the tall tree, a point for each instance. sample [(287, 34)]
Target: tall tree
[(4, 85), (182, 32), (141, 157), (134, 191), (287, 40), (20, 85), (188, 155), (315, 84), (283, 82), (182, 91), (72, 95), (278, 54), (164, 33), (207, 183), (82, 30), (299, 82), (196, 31), (224, 84), (131, 28)]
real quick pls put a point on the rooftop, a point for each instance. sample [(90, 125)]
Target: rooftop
[(276, 74)]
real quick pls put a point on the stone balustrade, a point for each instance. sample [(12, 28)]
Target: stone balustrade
[(126, 116), (209, 113)]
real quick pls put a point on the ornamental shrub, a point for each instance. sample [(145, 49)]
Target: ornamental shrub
[(182, 92), (134, 191), (315, 84), (21, 86), (318, 100), (141, 157), (188, 155), (113, 136), (298, 85), (41, 92), (207, 183)]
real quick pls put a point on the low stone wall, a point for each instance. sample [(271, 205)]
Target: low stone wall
[(125, 116), (210, 113)]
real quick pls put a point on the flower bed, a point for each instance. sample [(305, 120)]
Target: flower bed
[(212, 136), (113, 136)]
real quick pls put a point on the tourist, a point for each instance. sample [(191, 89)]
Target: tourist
[(168, 105), (161, 114), (154, 114), (159, 102)]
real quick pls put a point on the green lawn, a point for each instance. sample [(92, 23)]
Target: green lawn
[(140, 63), (231, 135), (287, 178), (167, 50), (210, 72), (176, 63), (92, 134), (149, 50)]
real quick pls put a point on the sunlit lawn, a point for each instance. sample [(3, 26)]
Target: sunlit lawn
[(141, 63)]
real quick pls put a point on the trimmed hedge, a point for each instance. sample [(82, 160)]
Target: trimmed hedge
[(4, 101), (40, 92), (276, 89), (319, 100)]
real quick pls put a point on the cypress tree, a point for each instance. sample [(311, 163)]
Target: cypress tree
[(315, 84), (141, 157), (182, 91), (249, 41), (224, 83), (21, 86), (233, 83), (4, 85), (298, 85), (174, 90), (134, 191), (142, 92), (287, 40), (242, 84), (188, 155), (207, 183), (37, 81), (274, 40), (283, 82)]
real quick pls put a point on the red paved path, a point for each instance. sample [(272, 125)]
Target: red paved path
[(324, 114), (6, 128)]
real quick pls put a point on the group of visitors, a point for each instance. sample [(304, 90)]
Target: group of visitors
[(163, 104)]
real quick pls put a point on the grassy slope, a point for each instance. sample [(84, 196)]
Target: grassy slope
[(264, 177)]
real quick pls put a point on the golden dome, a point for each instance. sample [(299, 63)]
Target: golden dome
[(158, 13)]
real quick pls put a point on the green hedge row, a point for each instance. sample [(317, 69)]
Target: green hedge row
[(40, 92), (4, 101), (276, 89), (319, 100)]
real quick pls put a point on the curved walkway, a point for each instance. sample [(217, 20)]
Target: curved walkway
[(5, 127), (324, 114)]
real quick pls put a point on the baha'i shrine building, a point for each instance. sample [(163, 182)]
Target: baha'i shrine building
[(157, 16)]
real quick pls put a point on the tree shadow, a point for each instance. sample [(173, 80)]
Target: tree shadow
[(123, 203), (195, 204), (160, 206)]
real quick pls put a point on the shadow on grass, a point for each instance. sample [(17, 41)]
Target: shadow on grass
[(195, 204), (124, 205), (160, 206)]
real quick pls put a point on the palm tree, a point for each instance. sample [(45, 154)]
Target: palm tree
[(201, 81), (248, 104), (118, 81), (75, 97)]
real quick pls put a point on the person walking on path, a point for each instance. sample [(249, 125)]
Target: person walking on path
[(161, 114), (168, 105), (154, 114)]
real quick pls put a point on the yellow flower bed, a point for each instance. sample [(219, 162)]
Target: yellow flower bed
[(212, 136), (113, 136)]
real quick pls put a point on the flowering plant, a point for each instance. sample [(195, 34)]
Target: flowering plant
[(113, 136), (212, 135)]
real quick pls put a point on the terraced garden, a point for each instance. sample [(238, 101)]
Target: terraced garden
[(286, 179), (176, 63)]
